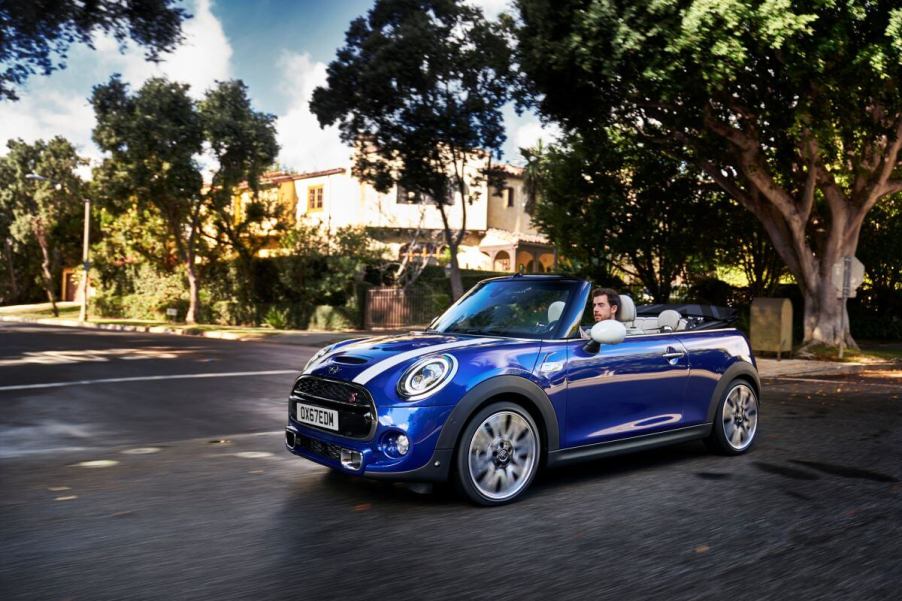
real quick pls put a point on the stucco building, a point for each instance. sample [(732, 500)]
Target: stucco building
[(500, 235)]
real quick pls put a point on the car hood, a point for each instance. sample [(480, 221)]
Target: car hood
[(377, 363), (362, 360)]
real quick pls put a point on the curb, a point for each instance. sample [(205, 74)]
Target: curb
[(187, 331)]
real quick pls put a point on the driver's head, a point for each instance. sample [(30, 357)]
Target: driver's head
[(605, 303)]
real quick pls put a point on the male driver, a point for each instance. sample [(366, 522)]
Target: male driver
[(605, 303)]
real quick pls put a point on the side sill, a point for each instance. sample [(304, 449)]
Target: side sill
[(619, 447)]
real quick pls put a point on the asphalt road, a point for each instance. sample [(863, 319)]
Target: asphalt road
[(202, 501)]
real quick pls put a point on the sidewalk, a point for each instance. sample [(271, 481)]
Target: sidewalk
[(312, 338), (797, 368)]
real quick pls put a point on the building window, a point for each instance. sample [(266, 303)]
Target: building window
[(315, 198), (508, 195)]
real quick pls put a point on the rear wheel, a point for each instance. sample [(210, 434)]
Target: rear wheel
[(498, 454), (736, 420)]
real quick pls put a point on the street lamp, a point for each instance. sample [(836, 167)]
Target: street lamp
[(83, 311)]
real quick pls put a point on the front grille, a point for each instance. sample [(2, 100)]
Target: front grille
[(323, 449), (356, 411), (332, 390)]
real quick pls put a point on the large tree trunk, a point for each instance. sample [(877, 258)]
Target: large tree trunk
[(193, 293), (13, 285), (46, 275), (457, 287)]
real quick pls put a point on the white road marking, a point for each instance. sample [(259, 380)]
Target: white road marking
[(233, 374), (373, 371)]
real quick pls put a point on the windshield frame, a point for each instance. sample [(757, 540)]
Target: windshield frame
[(577, 291)]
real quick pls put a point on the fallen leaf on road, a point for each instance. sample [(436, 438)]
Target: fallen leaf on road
[(58, 488), (702, 549), (68, 498), (363, 507)]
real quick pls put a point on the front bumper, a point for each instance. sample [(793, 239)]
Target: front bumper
[(422, 426)]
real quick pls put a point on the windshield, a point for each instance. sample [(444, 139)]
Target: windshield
[(515, 308)]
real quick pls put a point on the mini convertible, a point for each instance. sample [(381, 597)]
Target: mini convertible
[(508, 380)]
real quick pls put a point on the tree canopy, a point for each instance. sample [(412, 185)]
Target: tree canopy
[(35, 35), (613, 205), (418, 90), (794, 107), (41, 199), (154, 138)]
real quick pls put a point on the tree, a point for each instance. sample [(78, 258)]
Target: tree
[(243, 144), (882, 256), (418, 90), (43, 212), (745, 245), (35, 35), (152, 138), (615, 203), (793, 107)]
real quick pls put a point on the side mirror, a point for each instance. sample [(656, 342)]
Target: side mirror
[(609, 331)]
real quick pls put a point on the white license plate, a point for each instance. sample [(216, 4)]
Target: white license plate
[(317, 416)]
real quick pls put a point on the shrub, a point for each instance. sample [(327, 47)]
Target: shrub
[(277, 318)]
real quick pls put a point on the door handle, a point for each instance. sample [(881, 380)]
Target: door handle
[(671, 354)]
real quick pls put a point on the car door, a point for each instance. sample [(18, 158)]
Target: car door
[(629, 389)]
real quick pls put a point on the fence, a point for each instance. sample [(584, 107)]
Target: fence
[(397, 308)]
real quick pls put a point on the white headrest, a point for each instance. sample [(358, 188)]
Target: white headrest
[(554, 310), (626, 312), (669, 319)]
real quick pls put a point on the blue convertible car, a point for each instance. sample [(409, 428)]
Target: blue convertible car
[(507, 381)]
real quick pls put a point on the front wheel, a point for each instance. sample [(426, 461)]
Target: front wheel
[(498, 455), (736, 420)]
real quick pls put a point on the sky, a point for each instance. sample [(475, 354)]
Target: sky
[(279, 48)]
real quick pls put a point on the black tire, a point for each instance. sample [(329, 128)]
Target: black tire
[(510, 456), (736, 423)]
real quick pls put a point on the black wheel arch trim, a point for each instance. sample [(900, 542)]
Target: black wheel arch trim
[(740, 369), (500, 386)]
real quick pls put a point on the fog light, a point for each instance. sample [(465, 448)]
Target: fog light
[(351, 459), (402, 444)]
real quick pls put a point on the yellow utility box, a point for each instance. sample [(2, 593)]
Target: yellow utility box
[(770, 325)]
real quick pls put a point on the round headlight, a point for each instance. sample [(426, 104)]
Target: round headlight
[(426, 376)]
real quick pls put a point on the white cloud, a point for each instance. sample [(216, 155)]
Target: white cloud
[(492, 8), (304, 145), (529, 134), (58, 104)]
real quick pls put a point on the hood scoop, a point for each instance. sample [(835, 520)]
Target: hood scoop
[(350, 359)]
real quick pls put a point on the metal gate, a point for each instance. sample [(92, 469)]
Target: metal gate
[(389, 307)]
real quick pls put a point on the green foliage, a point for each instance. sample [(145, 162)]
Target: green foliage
[(243, 143), (146, 296), (418, 91), (276, 318), (153, 137), (616, 205), (37, 34), (41, 219), (322, 268), (881, 252), (792, 107)]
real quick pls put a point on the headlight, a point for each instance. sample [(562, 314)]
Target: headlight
[(319, 355), (426, 376)]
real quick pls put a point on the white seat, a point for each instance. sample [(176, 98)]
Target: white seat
[(626, 314), (670, 321), (554, 310)]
